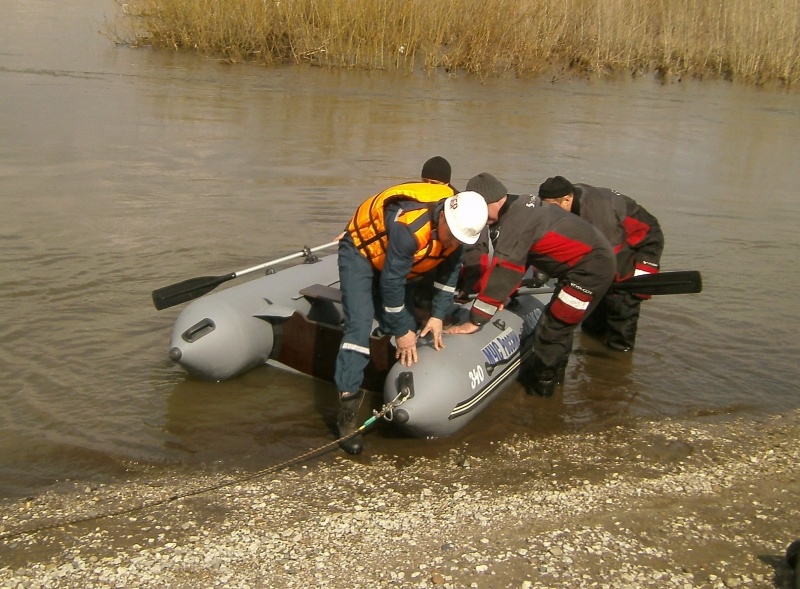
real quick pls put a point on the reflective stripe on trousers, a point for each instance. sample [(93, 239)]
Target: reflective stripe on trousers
[(357, 279)]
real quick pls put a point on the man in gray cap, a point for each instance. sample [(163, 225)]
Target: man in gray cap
[(476, 257), (637, 240), (529, 232)]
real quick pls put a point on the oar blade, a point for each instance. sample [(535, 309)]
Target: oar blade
[(664, 283), (180, 292)]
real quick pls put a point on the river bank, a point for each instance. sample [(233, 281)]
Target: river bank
[(672, 38), (700, 503)]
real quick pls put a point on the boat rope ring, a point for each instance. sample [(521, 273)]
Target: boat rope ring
[(405, 393)]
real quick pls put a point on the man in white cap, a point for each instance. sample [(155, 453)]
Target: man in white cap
[(400, 234)]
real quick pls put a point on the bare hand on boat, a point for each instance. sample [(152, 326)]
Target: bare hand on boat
[(407, 349), (434, 327), (463, 328)]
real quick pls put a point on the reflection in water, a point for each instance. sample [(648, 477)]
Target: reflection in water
[(261, 419), (600, 387)]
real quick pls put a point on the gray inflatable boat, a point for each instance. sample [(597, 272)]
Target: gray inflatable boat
[(292, 318)]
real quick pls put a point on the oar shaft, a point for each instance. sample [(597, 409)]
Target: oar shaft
[(186, 290), (293, 256), (672, 282)]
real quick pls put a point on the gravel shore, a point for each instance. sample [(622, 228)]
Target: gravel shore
[(707, 502)]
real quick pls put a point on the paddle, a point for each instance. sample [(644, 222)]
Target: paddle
[(180, 292), (663, 283)]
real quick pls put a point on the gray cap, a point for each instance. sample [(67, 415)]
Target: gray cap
[(489, 187)]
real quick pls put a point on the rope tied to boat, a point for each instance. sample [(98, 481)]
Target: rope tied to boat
[(387, 411), (387, 408)]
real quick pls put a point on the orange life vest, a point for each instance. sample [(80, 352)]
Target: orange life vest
[(367, 228)]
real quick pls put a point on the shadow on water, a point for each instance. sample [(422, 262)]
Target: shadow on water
[(262, 418), (33, 463), (271, 415)]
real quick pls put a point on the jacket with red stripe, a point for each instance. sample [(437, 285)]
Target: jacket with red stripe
[(531, 232), (632, 231)]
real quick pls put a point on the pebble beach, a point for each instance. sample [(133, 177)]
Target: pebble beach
[(706, 502)]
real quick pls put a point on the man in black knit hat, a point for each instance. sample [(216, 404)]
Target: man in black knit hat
[(527, 231), (437, 169), (637, 240)]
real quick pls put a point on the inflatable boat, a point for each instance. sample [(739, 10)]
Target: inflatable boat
[(293, 318)]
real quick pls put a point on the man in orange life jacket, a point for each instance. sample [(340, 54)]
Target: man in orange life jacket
[(394, 237), (638, 243), (527, 231)]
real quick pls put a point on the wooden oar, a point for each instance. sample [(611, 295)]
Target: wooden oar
[(186, 290)]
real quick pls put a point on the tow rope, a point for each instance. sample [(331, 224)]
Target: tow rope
[(376, 414)]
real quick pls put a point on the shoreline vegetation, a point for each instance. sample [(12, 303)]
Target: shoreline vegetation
[(731, 40)]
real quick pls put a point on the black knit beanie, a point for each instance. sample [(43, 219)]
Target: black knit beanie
[(489, 187), (437, 168), (556, 187)]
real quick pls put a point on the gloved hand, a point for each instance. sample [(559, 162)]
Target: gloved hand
[(538, 280), (461, 297), (644, 269)]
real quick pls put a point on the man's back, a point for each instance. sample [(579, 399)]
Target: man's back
[(544, 235)]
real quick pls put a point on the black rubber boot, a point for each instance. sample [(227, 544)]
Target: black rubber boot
[(561, 371), (617, 345), (539, 380), (622, 319), (347, 422), (543, 388)]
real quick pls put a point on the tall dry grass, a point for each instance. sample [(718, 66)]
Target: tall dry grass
[(755, 42)]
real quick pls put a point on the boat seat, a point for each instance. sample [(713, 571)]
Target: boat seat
[(322, 292)]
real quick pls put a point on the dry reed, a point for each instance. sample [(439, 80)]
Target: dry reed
[(731, 39)]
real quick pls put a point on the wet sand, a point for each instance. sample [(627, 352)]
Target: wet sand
[(707, 502)]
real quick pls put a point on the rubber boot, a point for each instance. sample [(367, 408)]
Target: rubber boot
[(347, 422), (622, 319), (543, 388), (537, 380), (561, 371), (617, 346)]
